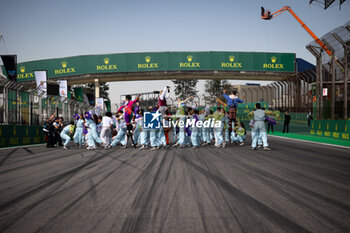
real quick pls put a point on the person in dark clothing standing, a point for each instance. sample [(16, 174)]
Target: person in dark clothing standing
[(49, 131), (286, 122), (58, 126), (269, 125), (309, 117)]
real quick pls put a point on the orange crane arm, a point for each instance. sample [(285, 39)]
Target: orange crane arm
[(287, 8)]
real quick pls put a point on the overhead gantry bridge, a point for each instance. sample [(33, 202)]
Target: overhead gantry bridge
[(162, 66), (135, 67)]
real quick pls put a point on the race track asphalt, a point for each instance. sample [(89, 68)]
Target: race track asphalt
[(296, 187)]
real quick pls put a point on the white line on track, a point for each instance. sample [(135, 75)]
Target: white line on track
[(307, 141)]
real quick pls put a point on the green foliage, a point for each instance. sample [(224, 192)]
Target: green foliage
[(214, 88), (90, 88), (185, 88)]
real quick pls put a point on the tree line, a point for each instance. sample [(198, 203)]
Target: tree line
[(184, 88)]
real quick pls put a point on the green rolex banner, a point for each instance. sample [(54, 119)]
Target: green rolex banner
[(24, 99), (12, 100), (67, 67), (69, 95), (78, 91), (108, 105)]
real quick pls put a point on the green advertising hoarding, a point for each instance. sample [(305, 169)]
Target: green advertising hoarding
[(15, 135), (159, 61), (78, 92), (12, 100), (338, 129), (108, 105), (24, 99)]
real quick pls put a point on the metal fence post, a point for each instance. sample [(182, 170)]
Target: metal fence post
[(284, 99), (305, 93), (6, 107), (275, 99), (319, 79), (19, 106), (272, 92), (333, 79), (346, 73)]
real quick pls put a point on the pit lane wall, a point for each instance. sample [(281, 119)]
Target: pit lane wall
[(338, 129), (245, 108), (16, 135)]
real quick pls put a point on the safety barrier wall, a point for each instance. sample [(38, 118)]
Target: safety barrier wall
[(245, 108), (15, 135), (296, 118), (338, 129)]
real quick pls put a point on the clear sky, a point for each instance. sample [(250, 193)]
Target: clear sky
[(42, 29)]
